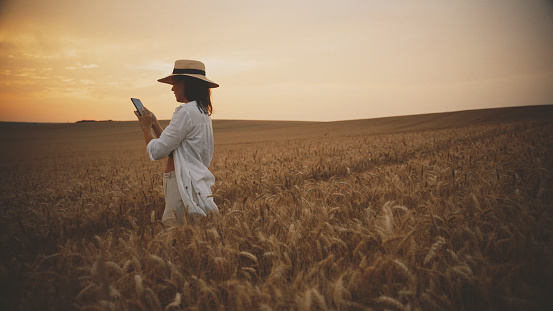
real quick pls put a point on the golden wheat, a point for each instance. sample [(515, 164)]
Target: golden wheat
[(444, 219)]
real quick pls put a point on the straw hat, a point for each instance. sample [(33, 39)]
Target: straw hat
[(192, 68)]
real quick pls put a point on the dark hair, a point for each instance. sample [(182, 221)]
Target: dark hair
[(198, 90)]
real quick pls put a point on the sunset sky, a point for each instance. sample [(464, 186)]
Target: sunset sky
[(63, 61)]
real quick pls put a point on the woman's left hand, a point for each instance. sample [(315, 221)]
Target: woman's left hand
[(146, 119)]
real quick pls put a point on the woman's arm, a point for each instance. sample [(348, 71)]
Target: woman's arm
[(146, 124), (156, 126), (170, 137)]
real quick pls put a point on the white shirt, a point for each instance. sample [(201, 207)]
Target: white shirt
[(190, 136)]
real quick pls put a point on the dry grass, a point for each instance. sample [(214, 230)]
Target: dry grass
[(449, 219)]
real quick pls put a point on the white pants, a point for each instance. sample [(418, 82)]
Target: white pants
[(175, 212)]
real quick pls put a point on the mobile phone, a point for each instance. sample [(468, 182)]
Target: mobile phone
[(138, 105)]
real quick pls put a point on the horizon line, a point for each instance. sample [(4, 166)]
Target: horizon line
[(302, 121)]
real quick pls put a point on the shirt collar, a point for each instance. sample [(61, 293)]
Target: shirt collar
[(188, 103)]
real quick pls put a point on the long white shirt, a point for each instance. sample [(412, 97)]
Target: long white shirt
[(190, 136)]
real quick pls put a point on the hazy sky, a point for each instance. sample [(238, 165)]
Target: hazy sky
[(63, 61)]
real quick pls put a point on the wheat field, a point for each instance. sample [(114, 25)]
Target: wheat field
[(451, 218)]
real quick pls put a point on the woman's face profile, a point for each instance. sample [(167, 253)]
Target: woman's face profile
[(178, 90)]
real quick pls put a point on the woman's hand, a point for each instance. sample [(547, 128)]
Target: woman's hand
[(146, 119), (146, 123)]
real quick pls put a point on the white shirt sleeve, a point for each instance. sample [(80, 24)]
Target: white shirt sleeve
[(171, 137)]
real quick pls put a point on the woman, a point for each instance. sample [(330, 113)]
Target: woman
[(187, 142)]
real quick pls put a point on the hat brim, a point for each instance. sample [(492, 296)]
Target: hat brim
[(169, 79)]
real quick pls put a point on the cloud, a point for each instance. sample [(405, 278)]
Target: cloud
[(154, 65), (82, 67)]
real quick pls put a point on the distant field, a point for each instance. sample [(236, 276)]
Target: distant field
[(246, 131), (253, 131), (447, 211)]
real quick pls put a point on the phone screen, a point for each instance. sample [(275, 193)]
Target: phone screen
[(138, 105)]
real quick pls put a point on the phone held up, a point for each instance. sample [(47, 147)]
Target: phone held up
[(138, 105)]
